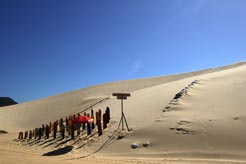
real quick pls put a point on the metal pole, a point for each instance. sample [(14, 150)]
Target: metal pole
[(122, 114), (119, 123), (126, 123)]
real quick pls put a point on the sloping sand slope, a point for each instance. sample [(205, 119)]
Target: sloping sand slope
[(32, 114), (206, 123)]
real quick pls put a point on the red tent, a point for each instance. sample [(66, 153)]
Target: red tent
[(82, 119)]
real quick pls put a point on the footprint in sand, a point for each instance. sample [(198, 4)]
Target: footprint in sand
[(175, 100), (183, 127)]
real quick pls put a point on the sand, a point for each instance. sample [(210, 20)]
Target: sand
[(205, 125)]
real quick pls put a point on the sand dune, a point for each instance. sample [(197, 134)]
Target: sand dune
[(206, 124)]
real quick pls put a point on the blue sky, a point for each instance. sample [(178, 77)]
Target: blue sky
[(49, 47)]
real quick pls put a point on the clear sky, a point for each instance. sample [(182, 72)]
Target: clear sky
[(49, 47)]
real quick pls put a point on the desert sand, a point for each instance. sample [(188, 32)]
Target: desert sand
[(205, 124)]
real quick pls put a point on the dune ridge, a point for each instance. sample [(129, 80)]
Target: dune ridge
[(204, 125)]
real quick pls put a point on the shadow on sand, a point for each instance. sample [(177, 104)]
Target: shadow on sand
[(60, 151)]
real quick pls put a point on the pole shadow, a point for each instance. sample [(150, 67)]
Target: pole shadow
[(60, 151)]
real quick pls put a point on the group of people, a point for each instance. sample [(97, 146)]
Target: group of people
[(70, 125)]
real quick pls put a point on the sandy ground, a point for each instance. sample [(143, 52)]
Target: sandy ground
[(206, 124), (12, 153)]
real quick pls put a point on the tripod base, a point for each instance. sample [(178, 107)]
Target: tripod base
[(122, 120)]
